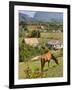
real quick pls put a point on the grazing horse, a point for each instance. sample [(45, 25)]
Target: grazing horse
[(46, 58)]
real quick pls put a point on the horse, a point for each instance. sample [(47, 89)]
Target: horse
[(47, 57)]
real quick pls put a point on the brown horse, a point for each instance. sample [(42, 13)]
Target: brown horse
[(47, 57)]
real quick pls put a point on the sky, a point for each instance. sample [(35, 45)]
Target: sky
[(30, 13)]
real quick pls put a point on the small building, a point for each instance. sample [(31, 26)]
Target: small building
[(59, 31), (55, 44), (31, 41)]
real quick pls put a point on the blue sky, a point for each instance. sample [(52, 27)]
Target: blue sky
[(30, 13)]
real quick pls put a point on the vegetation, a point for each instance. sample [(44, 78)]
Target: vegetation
[(35, 34), (22, 28), (32, 69), (55, 26), (52, 35), (27, 52)]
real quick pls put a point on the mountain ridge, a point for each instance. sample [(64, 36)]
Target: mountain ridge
[(41, 16)]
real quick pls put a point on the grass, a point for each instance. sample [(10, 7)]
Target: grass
[(35, 69), (45, 37), (52, 35)]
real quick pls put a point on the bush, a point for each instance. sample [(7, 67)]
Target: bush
[(23, 51), (26, 52), (35, 34), (28, 72)]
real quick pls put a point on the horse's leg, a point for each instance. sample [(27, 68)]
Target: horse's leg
[(42, 66), (48, 62), (56, 61)]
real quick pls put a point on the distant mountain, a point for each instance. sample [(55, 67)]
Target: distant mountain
[(49, 16), (41, 17), (26, 18)]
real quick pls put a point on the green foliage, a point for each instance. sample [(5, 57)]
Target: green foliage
[(23, 51), (22, 29), (36, 74), (26, 52), (61, 52), (28, 72), (23, 24), (35, 34), (55, 26)]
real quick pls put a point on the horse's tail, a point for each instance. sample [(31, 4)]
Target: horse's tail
[(54, 58)]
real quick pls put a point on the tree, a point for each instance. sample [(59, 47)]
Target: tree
[(22, 28), (23, 51), (35, 34)]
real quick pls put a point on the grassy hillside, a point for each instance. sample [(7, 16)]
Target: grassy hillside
[(32, 69)]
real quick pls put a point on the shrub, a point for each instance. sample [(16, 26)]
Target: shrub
[(35, 34), (28, 72), (36, 73)]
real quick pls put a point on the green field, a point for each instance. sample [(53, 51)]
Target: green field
[(45, 37), (32, 69), (52, 35)]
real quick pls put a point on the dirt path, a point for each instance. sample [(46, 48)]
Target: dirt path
[(36, 58)]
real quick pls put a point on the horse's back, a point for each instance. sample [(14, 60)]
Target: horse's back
[(49, 55), (46, 56)]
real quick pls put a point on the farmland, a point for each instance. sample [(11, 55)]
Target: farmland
[(52, 35)]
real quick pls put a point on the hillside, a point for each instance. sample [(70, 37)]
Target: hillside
[(41, 17), (49, 16)]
